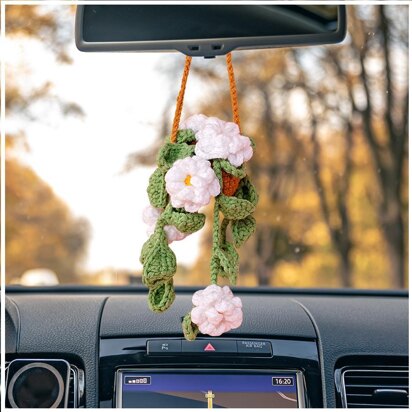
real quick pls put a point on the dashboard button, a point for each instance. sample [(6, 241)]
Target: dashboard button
[(255, 347), (164, 347), (210, 347)]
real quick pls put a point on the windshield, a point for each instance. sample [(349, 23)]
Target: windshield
[(329, 123)]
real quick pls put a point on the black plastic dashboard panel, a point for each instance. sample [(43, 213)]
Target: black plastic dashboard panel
[(128, 315), (75, 321), (64, 325), (357, 326)]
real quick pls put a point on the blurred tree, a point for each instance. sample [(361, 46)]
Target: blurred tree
[(368, 77), (331, 180), (365, 95), (40, 230), (38, 22), (330, 125), (54, 31), (382, 35)]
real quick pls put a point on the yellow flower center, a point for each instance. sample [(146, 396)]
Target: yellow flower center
[(188, 180)]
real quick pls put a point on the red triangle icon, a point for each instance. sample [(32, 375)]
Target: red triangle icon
[(209, 348)]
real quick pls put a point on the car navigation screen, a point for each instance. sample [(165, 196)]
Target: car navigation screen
[(229, 389)]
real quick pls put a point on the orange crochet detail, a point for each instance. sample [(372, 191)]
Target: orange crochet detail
[(233, 90), (230, 183), (181, 95), (179, 100)]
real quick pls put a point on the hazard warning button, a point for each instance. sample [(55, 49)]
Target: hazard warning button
[(209, 347)]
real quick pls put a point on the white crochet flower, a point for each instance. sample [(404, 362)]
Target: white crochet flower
[(216, 310), (217, 139), (213, 139), (191, 182), (194, 122), (150, 216), (240, 150)]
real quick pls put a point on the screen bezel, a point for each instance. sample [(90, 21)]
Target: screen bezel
[(297, 373)]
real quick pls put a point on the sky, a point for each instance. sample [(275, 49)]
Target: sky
[(123, 96)]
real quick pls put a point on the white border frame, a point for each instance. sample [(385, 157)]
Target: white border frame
[(5, 3)]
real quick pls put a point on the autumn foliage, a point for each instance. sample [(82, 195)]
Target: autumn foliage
[(330, 126), (40, 230)]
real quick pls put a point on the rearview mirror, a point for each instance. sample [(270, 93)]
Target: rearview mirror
[(206, 30)]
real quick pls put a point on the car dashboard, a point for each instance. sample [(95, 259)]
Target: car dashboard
[(295, 348)]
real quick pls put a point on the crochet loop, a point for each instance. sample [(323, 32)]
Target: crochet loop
[(181, 95), (161, 296)]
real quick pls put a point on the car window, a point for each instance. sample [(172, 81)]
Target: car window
[(331, 159)]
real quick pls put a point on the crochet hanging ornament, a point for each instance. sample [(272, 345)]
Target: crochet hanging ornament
[(203, 159)]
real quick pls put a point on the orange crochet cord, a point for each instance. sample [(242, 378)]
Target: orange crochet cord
[(233, 90), (179, 101), (181, 95)]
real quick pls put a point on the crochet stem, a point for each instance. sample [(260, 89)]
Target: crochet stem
[(214, 265), (223, 227), (164, 217)]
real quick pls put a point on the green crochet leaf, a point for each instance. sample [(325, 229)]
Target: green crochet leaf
[(247, 191), (187, 222), (159, 262), (148, 247), (171, 152), (243, 229), (238, 172), (157, 189), (234, 208), (161, 296), (185, 136), (227, 260), (190, 330)]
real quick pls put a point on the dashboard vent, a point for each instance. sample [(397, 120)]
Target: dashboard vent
[(76, 387), (375, 388)]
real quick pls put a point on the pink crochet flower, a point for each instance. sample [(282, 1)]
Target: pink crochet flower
[(191, 182), (214, 137), (150, 216), (217, 139), (216, 310), (240, 150), (194, 122)]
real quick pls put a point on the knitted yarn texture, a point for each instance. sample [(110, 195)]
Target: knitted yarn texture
[(206, 161)]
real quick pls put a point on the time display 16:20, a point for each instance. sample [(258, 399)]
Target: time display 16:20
[(282, 381)]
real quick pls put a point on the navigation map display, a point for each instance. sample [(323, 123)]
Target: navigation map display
[(211, 389)]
